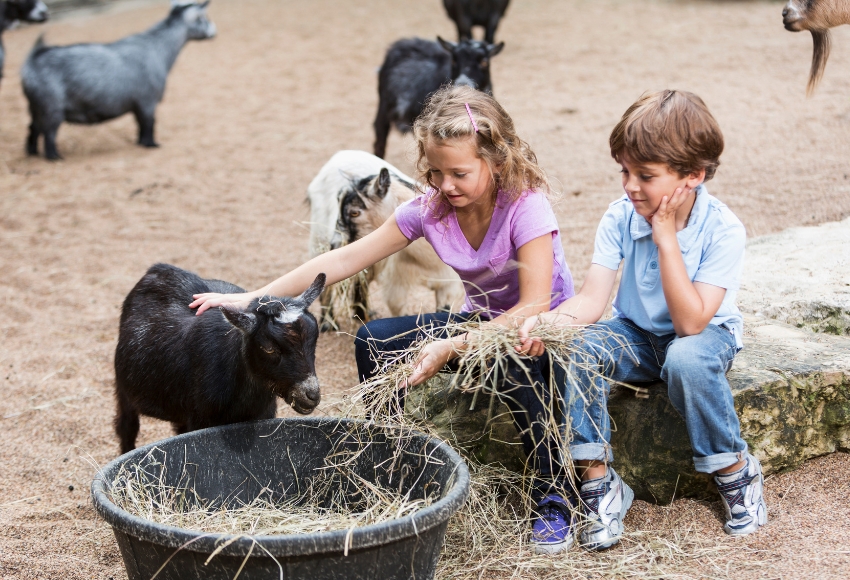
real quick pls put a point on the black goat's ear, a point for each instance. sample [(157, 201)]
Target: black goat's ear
[(311, 293), (244, 321), (449, 46), (382, 184), (494, 49)]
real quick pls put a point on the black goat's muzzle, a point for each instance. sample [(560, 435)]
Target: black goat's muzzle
[(305, 396)]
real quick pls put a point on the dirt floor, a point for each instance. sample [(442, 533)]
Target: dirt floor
[(249, 117)]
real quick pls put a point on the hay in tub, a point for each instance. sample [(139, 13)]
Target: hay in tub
[(321, 506)]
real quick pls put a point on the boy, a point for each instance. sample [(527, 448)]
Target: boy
[(682, 252)]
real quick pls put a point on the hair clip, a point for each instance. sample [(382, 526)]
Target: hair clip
[(468, 112)]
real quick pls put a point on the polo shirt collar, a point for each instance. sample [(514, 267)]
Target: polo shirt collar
[(640, 228), (695, 224)]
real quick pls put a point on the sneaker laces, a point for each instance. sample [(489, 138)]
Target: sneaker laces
[(590, 497), (733, 492), (553, 520), (550, 511)]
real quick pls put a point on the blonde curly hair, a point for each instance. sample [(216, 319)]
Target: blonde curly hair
[(513, 165)]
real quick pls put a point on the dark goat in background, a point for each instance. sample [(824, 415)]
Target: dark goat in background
[(469, 13), (12, 11), (816, 16), (414, 68), (92, 83), (222, 367)]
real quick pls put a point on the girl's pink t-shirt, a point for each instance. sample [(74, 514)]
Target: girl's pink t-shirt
[(490, 274)]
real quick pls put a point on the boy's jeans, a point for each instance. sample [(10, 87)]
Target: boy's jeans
[(694, 368)]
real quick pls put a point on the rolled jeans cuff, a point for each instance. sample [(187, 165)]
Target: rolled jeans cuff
[(712, 463), (592, 452)]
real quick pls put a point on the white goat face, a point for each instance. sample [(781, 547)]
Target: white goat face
[(365, 206)]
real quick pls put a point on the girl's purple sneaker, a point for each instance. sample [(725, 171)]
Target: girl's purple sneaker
[(552, 531)]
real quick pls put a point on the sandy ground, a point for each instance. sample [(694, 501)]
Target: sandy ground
[(249, 118)]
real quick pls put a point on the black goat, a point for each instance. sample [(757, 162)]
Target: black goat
[(469, 13), (414, 68), (12, 11), (92, 83), (218, 368)]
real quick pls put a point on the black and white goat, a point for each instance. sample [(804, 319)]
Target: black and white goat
[(353, 194), (92, 83), (414, 68), (12, 11), (215, 369), (816, 16), (469, 13)]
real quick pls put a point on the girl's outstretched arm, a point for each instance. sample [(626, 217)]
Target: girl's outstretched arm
[(337, 265), (586, 307)]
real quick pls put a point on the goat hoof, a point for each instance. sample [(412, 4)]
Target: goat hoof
[(149, 144)]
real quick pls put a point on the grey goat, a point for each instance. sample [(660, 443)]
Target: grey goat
[(11, 11), (92, 83)]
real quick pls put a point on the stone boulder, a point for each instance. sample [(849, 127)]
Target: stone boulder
[(791, 389), (791, 386), (800, 276)]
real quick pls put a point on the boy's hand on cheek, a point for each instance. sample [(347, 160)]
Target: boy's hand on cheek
[(664, 219)]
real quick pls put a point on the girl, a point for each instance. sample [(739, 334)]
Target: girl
[(486, 214)]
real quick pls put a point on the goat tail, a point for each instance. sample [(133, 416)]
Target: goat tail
[(821, 40)]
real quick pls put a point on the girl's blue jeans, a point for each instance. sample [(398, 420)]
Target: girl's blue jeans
[(694, 369), (525, 390)]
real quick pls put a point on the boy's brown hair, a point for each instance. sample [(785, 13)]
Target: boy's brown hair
[(670, 127)]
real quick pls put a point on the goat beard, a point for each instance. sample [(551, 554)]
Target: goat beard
[(820, 54)]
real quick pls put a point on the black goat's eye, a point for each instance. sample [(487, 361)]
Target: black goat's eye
[(268, 349), (484, 63), (354, 213)]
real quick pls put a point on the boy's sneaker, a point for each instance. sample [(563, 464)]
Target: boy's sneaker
[(742, 493), (552, 531), (605, 501)]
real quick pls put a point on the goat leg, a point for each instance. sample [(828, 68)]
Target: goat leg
[(126, 422), (50, 151), (146, 122), (32, 140), (360, 298), (382, 131), (490, 32)]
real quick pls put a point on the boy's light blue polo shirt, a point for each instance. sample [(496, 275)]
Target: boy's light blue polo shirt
[(712, 247)]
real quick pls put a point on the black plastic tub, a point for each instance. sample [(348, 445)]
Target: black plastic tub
[(236, 461)]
